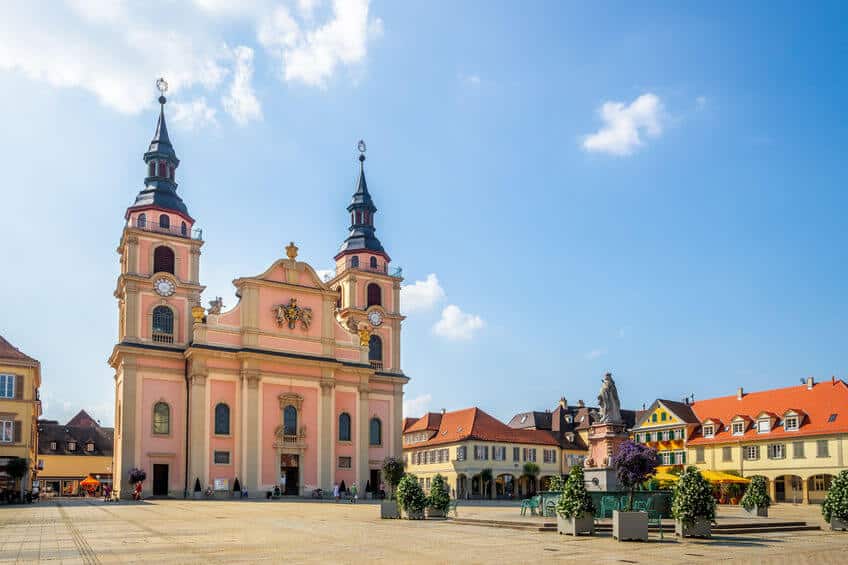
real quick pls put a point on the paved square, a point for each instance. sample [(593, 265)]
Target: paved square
[(188, 531)]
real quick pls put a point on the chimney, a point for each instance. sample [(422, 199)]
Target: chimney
[(739, 393), (563, 403), (443, 411), (580, 404), (810, 382)]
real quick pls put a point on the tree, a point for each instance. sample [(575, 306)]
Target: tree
[(757, 494), (410, 496), (633, 464), (836, 502), (392, 473), (137, 475), (486, 477), (531, 471), (693, 497), (575, 501), (17, 467), (439, 497)]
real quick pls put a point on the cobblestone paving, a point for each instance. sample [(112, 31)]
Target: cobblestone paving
[(187, 531)]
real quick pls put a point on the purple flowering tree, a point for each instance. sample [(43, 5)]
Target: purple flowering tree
[(634, 464)]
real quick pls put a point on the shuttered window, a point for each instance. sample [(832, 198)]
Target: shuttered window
[(7, 386), (6, 431)]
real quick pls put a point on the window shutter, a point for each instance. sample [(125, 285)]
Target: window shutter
[(16, 430), (19, 387)]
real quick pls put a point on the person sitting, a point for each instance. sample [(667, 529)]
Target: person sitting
[(276, 491), (208, 491)]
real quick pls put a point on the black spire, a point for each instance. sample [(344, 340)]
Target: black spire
[(160, 186), (362, 209)]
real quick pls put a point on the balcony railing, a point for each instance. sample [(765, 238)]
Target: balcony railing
[(383, 268), (378, 365), (161, 337), (283, 439), (152, 225)]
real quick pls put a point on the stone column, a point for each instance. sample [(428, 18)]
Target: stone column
[(198, 457), (805, 491), (132, 314), (362, 413), (253, 474), (773, 489), (325, 451)]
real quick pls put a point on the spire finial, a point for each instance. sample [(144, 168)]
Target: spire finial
[(162, 87), (361, 147)]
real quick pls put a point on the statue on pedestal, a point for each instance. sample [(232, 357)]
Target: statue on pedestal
[(609, 406)]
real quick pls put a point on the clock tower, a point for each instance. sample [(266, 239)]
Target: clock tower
[(157, 287), (369, 293)]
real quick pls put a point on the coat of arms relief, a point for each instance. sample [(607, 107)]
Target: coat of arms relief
[(291, 314)]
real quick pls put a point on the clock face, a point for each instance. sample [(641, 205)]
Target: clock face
[(164, 287), (375, 317)]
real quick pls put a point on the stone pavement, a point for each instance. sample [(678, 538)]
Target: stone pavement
[(203, 531)]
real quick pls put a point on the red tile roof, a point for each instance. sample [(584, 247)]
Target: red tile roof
[(9, 351), (408, 422), (473, 423), (817, 404), (429, 421)]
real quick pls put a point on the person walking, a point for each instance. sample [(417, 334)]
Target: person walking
[(107, 493), (354, 493), (336, 491)]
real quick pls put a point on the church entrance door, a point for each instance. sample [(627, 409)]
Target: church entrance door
[(160, 480), (290, 469)]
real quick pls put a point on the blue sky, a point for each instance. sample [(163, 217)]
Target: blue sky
[(655, 190)]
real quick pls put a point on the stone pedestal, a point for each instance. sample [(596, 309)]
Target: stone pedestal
[(604, 440)]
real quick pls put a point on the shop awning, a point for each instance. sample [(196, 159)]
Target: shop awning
[(719, 477), (664, 477), (89, 481)]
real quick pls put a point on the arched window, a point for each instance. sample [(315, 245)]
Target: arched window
[(373, 262), (163, 324), (290, 420), (142, 220), (163, 169), (164, 221), (172, 172), (344, 426), (151, 169), (354, 262), (375, 348), (375, 432), (163, 260), (222, 419), (161, 418), (339, 299), (183, 228), (375, 295)]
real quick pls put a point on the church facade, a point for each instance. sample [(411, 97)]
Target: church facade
[(299, 384)]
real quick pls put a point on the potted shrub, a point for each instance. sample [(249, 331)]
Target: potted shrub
[(693, 505), (392, 474), (197, 491), (835, 506), (575, 512), (438, 501), (633, 464), (411, 498), (756, 500)]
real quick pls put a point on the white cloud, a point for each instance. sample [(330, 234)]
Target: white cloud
[(472, 80), (595, 354), (325, 274), (700, 102), (311, 56), (456, 324), (193, 115), (421, 295), (241, 103), (624, 125), (417, 407)]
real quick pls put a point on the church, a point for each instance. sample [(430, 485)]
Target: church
[(299, 385)]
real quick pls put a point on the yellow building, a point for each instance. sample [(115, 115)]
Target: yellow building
[(460, 445), (68, 453), (20, 377), (665, 427), (795, 437)]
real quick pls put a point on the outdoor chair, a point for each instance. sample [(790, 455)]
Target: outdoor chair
[(550, 508), (452, 507), (640, 505), (608, 504), (654, 516), (532, 503)]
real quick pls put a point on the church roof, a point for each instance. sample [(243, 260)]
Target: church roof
[(362, 209)]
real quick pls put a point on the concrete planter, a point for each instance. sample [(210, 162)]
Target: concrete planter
[(389, 509), (414, 515), (435, 512), (757, 512), (700, 528), (837, 524), (629, 525), (585, 524)]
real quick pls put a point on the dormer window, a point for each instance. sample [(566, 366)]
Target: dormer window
[(89, 447), (709, 431), (790, 423), (72, 446), (52, 446), (738, 428), (763, 426)]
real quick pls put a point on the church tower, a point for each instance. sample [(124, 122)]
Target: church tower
[(157, 287), (369, 293)]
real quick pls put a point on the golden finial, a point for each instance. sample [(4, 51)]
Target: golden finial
[(364, 335), (197, 313), (291, 251)]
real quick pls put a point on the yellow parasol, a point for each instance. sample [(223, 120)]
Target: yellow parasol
[(719, 477), (664, 477)]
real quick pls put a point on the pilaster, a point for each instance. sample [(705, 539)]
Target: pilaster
[(362, 415), (397, 422), (194, 265), (326, 416), (132, 254), (129, 413), (132, 313), (253, 473), (198, 456)]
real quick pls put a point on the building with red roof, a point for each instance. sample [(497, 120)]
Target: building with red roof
[(461, 444), (796, 437)]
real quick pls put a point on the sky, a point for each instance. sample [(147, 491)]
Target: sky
[(652, 189)]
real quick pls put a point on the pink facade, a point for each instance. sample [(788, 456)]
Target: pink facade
[(300, 378)]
